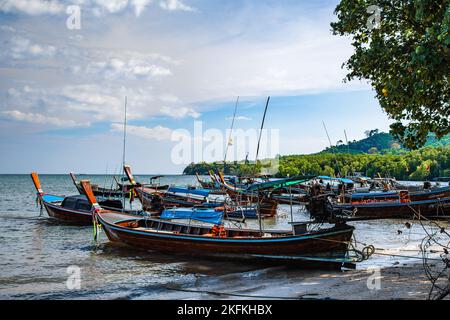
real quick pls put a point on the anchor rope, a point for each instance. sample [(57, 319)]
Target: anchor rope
[(436, 291)]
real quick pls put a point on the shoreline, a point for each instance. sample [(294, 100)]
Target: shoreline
[(406, 281)]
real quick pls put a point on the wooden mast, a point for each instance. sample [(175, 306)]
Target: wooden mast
[(229, 137), (74, 178), (256, 161), (123, 154), (260, 132), (331, 147)]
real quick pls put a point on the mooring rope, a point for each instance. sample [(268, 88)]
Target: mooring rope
[(426, 243)]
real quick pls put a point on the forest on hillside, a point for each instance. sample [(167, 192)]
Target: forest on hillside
[(423, 164), (381, 142)]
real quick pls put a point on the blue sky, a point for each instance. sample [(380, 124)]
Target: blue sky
[(62, 91)]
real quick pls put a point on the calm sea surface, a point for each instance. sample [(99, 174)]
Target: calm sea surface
[(35, 253)]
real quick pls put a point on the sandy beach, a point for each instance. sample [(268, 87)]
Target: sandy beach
[(395, 283)]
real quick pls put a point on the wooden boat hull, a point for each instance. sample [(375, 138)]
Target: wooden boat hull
[(146, 198), (122, 191), (439, 193), (58, 212), (108, 193), (247, 213), (68, 216), (295, 199), (267, 206), (213, 189), (432, 209), (330, 243)]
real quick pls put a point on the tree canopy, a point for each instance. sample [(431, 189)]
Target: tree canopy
[(383, 142), (405, 57), (379, 153), (426, 163)]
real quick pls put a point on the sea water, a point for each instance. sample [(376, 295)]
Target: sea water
[(40, 257)]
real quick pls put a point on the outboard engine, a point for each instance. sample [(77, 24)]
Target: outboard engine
[(427, 185), (319, 208), (318, 205)]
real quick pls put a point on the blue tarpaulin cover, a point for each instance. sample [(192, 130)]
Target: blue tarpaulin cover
[(203, 215), (52, 198), (337, 179), (279, 183), (198, 192)]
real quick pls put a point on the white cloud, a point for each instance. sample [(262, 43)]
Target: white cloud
[(75, 105), (210, 60), (112, 6), (134, 68), (41, 119), (32, 7), (107, 64), (23, 48), (179, 112), (176, 67), (239, 118), (169, 98), (289, 53), (7, 28), (139, 6), (66, 106), (157, 133), (249, 69), (175, 5), (97, 7)]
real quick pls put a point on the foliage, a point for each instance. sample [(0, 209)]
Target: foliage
[(379, 153), (426, 163), (383, 142), (406, 60)]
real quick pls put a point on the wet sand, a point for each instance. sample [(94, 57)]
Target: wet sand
[(398, 283)]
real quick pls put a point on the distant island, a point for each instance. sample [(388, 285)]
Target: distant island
[(378, 153)]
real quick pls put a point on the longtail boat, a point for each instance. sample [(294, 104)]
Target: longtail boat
[(206, 215), (156, 186), (187, 200), (152, 198), (290, 198), (72, 209), (310, 246), (323, 208), (238, 212), (206, 185), (119, 192), (212, 186), (266, 194), (158, 199), (441, 179), (394, 195), (267, 207), (381, 183)]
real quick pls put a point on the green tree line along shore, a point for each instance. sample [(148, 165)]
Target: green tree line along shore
[(423, 164)]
